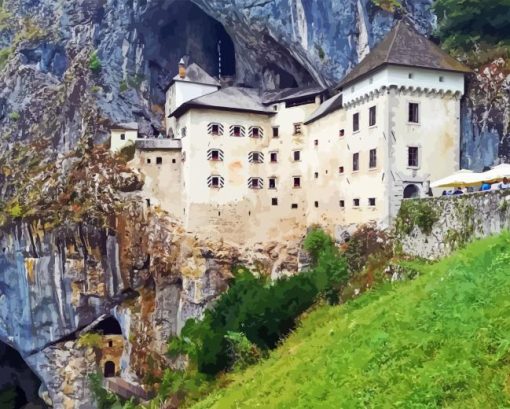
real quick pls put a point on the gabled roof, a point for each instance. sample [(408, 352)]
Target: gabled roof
[(196, 74), (330, 105), (288, 94), (231, 98), (403, 45)]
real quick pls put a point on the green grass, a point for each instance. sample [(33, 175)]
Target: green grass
[(440, 341)]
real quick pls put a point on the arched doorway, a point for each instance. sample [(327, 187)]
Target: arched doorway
[(109, 369), (411, 192)]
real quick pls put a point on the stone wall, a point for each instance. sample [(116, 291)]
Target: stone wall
[(432, 228)]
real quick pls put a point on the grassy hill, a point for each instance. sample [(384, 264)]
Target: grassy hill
[(442, 340)]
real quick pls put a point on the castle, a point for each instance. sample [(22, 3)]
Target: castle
[(246, 165)]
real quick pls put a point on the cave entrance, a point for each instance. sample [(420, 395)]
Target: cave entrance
[(108, 326), (19, 386)]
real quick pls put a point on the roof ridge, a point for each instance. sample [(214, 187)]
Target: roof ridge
[(395, 32)]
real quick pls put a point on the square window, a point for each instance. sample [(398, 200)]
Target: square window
[(340, 169), (355, 162), (148, 161), (373, 159), (237, 131), (297, 155), (294, 206), (274, 157), (342, 203), (316, 204), (274, 201), (276, 132), (355, 202), (441, 79), (256, 157), (297, 128), (355, 122), (159, 160), (371, 201), (215, 155), (297, 182), (341, 133), (412, 157), (372, 116), (255, 183), (316, 175), (255, 132), (122, 136), (174, 161), (215, 181), (215, 129), (414, 115), (272, 183)]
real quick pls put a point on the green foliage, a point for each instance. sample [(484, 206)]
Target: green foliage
[(127, 153), (320, 51), (5, 53), (103, 398), (189, 384), (416, 213), (263, 313), (470, 24), (389, 5), (95, 63), (241, 351), (123, 86), (90, 340), (8, 398), (14, 116), (439, 341), (15, 210)]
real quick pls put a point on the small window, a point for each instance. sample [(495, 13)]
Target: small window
[(256, 132), (297, 182), (110, 343), (412, 157), (276, 132), (148, 202), (373, 159), (372, 113), (215, 129), (297, 128), (215, 154), (274, 157), (174, 161), (316, 175), (148, 161), (441, 79), (275, 108), (255, 183), (340, 169), (371, 201), (159, 160), (184, 132), (355, 122), (237, 131), (414, 116), (215, 182), (274, 201), (122, 136), (297, 156), (342, 203), (355, 202), (316, 204), (355, 162), (316, 142), (256, 157), (341, 133), (272, 183), (410, 75), (294, 206)]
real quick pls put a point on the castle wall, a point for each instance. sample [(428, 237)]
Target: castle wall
[(116, 141)]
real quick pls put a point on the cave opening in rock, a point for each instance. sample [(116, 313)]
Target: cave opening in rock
[(19, 386), (108, 326)]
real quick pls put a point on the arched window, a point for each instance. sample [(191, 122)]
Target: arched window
[(109, 369), (411, 192)]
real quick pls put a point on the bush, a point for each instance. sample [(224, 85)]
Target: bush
[(103, 398), (253, 313), (15, 116), (94, 62), (5, 53), (90, 340)]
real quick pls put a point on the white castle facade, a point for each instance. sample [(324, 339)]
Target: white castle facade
[(248, 166)]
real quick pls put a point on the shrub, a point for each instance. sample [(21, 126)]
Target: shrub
[(127, 153), (94, 62), (389, 5), (415, 213), (242, 352), (315, 242), (15, 210), (103, 398), (90, 340), (15, 116), (5, 53)]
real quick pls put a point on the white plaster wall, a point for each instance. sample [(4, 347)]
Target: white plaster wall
[(399, 76), (184, 91), (116, 144)]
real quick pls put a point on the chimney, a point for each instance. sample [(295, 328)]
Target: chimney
[(182, 69)]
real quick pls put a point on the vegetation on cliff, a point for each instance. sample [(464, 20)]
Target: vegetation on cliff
[(441, 340)]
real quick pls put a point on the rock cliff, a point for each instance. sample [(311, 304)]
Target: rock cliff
[(142, 268)]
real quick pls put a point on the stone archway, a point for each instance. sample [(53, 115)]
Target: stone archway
[(411, 191), (109, 369)]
